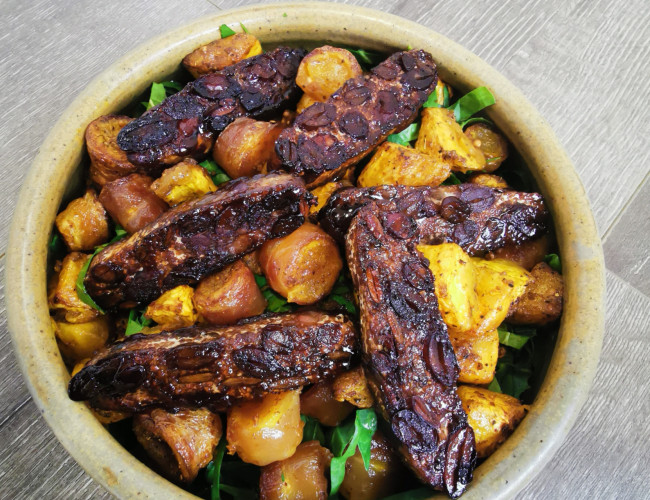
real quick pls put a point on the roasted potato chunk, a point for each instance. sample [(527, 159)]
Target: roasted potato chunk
[(131, 202), (491, 415), (324, 70), (246, 147), (319, 402), (323, 193), (108, 161), (492, 144), (83, 224), (62, 294), (441, 87), (541, 303), (396, 164), (477, 355), (526, 254), (180, 443), (218, 54), (299, 477), (440, 136), (229, 295), (489, 180), (81, 340), (304, 102), (184, 181), (352, 386), (303, 266), (265, 430), (252, 260), (174, 308)]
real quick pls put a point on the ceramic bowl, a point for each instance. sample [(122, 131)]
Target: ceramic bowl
[(56, 173)]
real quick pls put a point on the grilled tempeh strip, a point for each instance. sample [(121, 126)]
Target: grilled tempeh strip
[(197, 238), (186, 123), (212, 367), (408, 358), (328, 138), (478, 218)]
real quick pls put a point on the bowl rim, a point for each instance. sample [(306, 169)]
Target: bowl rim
[(573, 365)]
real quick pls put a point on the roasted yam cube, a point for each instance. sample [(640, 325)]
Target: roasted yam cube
[(303, 266), (396, 164), (304, 102), (81, 340), (174, 308), (247, 147), (299, 477), (324, 70), (527, 254), (218, 54), (441, 136), (182, 182), (319, 402), (323, 193), (108, 161), (491, 143), (489, 180), (541, 303), (62, 294), (477, 355), (229, 295), (491, 415), (352, 386), (180, 443), (83, 224), (265, 430), (131, 202)]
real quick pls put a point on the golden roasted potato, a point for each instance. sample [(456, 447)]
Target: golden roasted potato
[(299, 477), (180, 443), (541, 303), (304, 102), (527, 254), (491, 143), (252, 260), (174, 308), (396, 164), (491, 415), (83, 224), (303, 266), (81, 340), (62, 293), (184, 181), (246, 147), (489, 180), (440, 136), (323, 193), (477, 355), (440, 91), (218, 54), (229, 295), (319, 402), (131, 202), (324, 70), (265, 430), (352, 386), (108, 161)]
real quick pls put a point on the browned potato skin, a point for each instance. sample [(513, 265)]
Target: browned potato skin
[(491, 143), (352, 386), (83, 224), (383, 478), (302, 266), (324, 70), (229, 295), (218, 54), (107, 160), (184, 181), (541, 303), (527, 254), (246, 147), (62, 291), (252, 260), (299, 477), (180, 443), (489, 180), (319, 402), (80, 340), (131, 201)]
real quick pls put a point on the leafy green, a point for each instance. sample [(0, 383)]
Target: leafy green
[(342, 294), (515, 368), (213, 470), (136, 322), (553, 260), (345, 440), (225, 31), (515, 337), (312, 430), (217, 173), (284, 14), (418, 494), (56, 247), (406, 136), (494, 386), (471, 103), (476, 119), (243, 28), (366, 58), (275, 302), (455, 178), (160, 91), (432, 100)]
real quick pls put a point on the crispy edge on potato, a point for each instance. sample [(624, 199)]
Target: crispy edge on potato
[(542, 301), (491, 143), (352, 386), (491, 415), (174, 308), (81, 340), (108, 161), (84, 223), (62, 294), (324, 70), (527, 254), (489, 180), (180, 443), (396, 164), (319, 402), (184, 181), (218, 54), (477, 355)]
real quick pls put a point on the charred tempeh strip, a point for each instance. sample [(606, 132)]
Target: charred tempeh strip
[(408, 357), (197, 238), (478, 218), (327, 138), (186, 123), (212, 367)]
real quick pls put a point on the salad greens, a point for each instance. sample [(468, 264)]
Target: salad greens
[(225, 31), (217, 173), (275, 302), (342, 294), (312, 431), (471, 103), (161, 91), (366, 58), (515, 369), (406, 136), (553, 260), (136, 322)]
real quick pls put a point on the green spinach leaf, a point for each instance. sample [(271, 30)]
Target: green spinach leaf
[(136, 322), (471, 103), (215, 171), (225, 31), (213, 470), (553, 260), (406, 136), (274, 301), (312, 430), (515, 337)]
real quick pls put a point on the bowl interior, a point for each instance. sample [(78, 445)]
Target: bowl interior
[(57, 173)]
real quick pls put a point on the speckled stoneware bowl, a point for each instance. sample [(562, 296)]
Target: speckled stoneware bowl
[(56, 173)]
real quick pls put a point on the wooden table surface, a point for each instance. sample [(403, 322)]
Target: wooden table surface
[(584, 64)]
